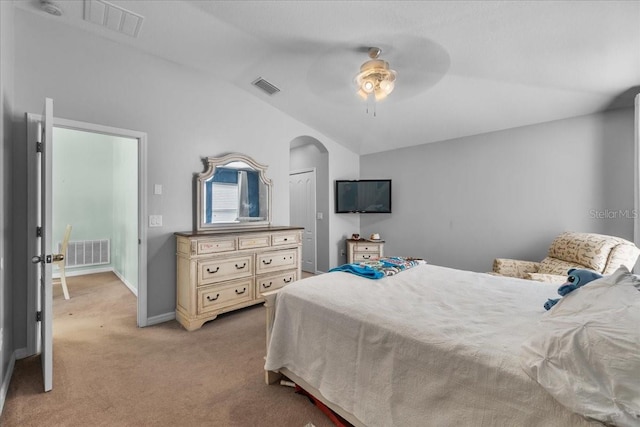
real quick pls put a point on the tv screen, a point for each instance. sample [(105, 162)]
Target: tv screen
[(363, 196)]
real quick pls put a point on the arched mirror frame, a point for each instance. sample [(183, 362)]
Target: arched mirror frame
[(211, 163)]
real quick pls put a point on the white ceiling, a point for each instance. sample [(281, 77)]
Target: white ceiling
[(464, 67)]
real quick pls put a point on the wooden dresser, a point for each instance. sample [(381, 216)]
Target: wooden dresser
[(364, 250), (221, 271)]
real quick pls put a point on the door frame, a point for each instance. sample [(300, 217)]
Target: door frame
[(315, 211), (31, 122)]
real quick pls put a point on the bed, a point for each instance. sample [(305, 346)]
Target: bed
[(430, 346)]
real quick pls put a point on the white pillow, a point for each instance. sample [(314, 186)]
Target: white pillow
[(586, 353)]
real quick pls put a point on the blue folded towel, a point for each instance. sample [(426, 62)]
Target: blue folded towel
[(360, 270), (380, 268)]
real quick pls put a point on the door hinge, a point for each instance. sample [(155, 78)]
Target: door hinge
[(38, 231), (38, 147), (38, 316)]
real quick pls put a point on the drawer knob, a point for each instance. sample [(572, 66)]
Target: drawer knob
[(214, 271), (213, 299), (288, 279), (264, 285), (240, 267), (267, 263), (366, 256), (285, 239), (242, 291)]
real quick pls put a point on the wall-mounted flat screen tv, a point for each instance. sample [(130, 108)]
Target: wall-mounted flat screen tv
[(363, 196)]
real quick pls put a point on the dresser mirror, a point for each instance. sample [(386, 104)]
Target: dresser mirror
[(233, 192)]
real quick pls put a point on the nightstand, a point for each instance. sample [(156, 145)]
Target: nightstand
[(364, 250)]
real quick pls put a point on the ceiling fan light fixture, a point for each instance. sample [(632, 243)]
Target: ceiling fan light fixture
[(375, 77), (387, 86), (380, 95), (364, 95), (368, 86)]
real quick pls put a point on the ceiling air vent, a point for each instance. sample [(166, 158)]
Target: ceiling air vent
[(113, 17), (265, 86)]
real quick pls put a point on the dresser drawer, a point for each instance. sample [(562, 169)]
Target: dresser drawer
[(249, 242), (270, 283), (367, 247), (365, 256), (217, 270), (276, 260), (215, 297), (212, 246), (285, 239)]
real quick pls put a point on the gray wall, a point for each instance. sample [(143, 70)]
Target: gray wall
[(464, 202), (187, 114), (6, 139), (311, 156)]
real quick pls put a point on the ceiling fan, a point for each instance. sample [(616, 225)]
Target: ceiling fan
[(375, 77), (418, 64)]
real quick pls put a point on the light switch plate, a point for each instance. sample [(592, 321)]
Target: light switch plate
[(157, 189), (155, 220)]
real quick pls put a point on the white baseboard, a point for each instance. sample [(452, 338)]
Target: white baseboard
[(161, 318), (6, 380), (71, 273), (21, 353), (132, 288)]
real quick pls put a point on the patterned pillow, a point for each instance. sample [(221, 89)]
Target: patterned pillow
[(623, 254), (551, 265), (586, 249)]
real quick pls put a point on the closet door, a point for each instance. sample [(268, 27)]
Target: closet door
[(302, 213)]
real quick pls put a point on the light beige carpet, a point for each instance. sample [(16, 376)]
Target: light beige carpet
[(108, 372)]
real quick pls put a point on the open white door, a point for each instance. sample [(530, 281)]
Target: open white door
[(44, 257)]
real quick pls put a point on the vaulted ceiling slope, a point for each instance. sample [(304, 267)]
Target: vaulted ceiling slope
[(464, 67)]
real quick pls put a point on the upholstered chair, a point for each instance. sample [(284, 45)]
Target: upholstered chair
[(597, 252)]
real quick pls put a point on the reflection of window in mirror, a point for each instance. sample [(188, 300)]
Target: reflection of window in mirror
[(232, 192), (232, 195), (224, 203), (249, 196)]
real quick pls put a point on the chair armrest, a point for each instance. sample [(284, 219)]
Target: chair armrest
[(547, 278), (514, 267)]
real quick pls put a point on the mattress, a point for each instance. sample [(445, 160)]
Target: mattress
[(431, 346)]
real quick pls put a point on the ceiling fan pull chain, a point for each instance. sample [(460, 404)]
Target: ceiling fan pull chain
[(373, 109)]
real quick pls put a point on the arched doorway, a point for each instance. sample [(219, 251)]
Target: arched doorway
[(308, 174)]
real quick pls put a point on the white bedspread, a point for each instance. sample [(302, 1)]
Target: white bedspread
[(431, 346), (592, 334)]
